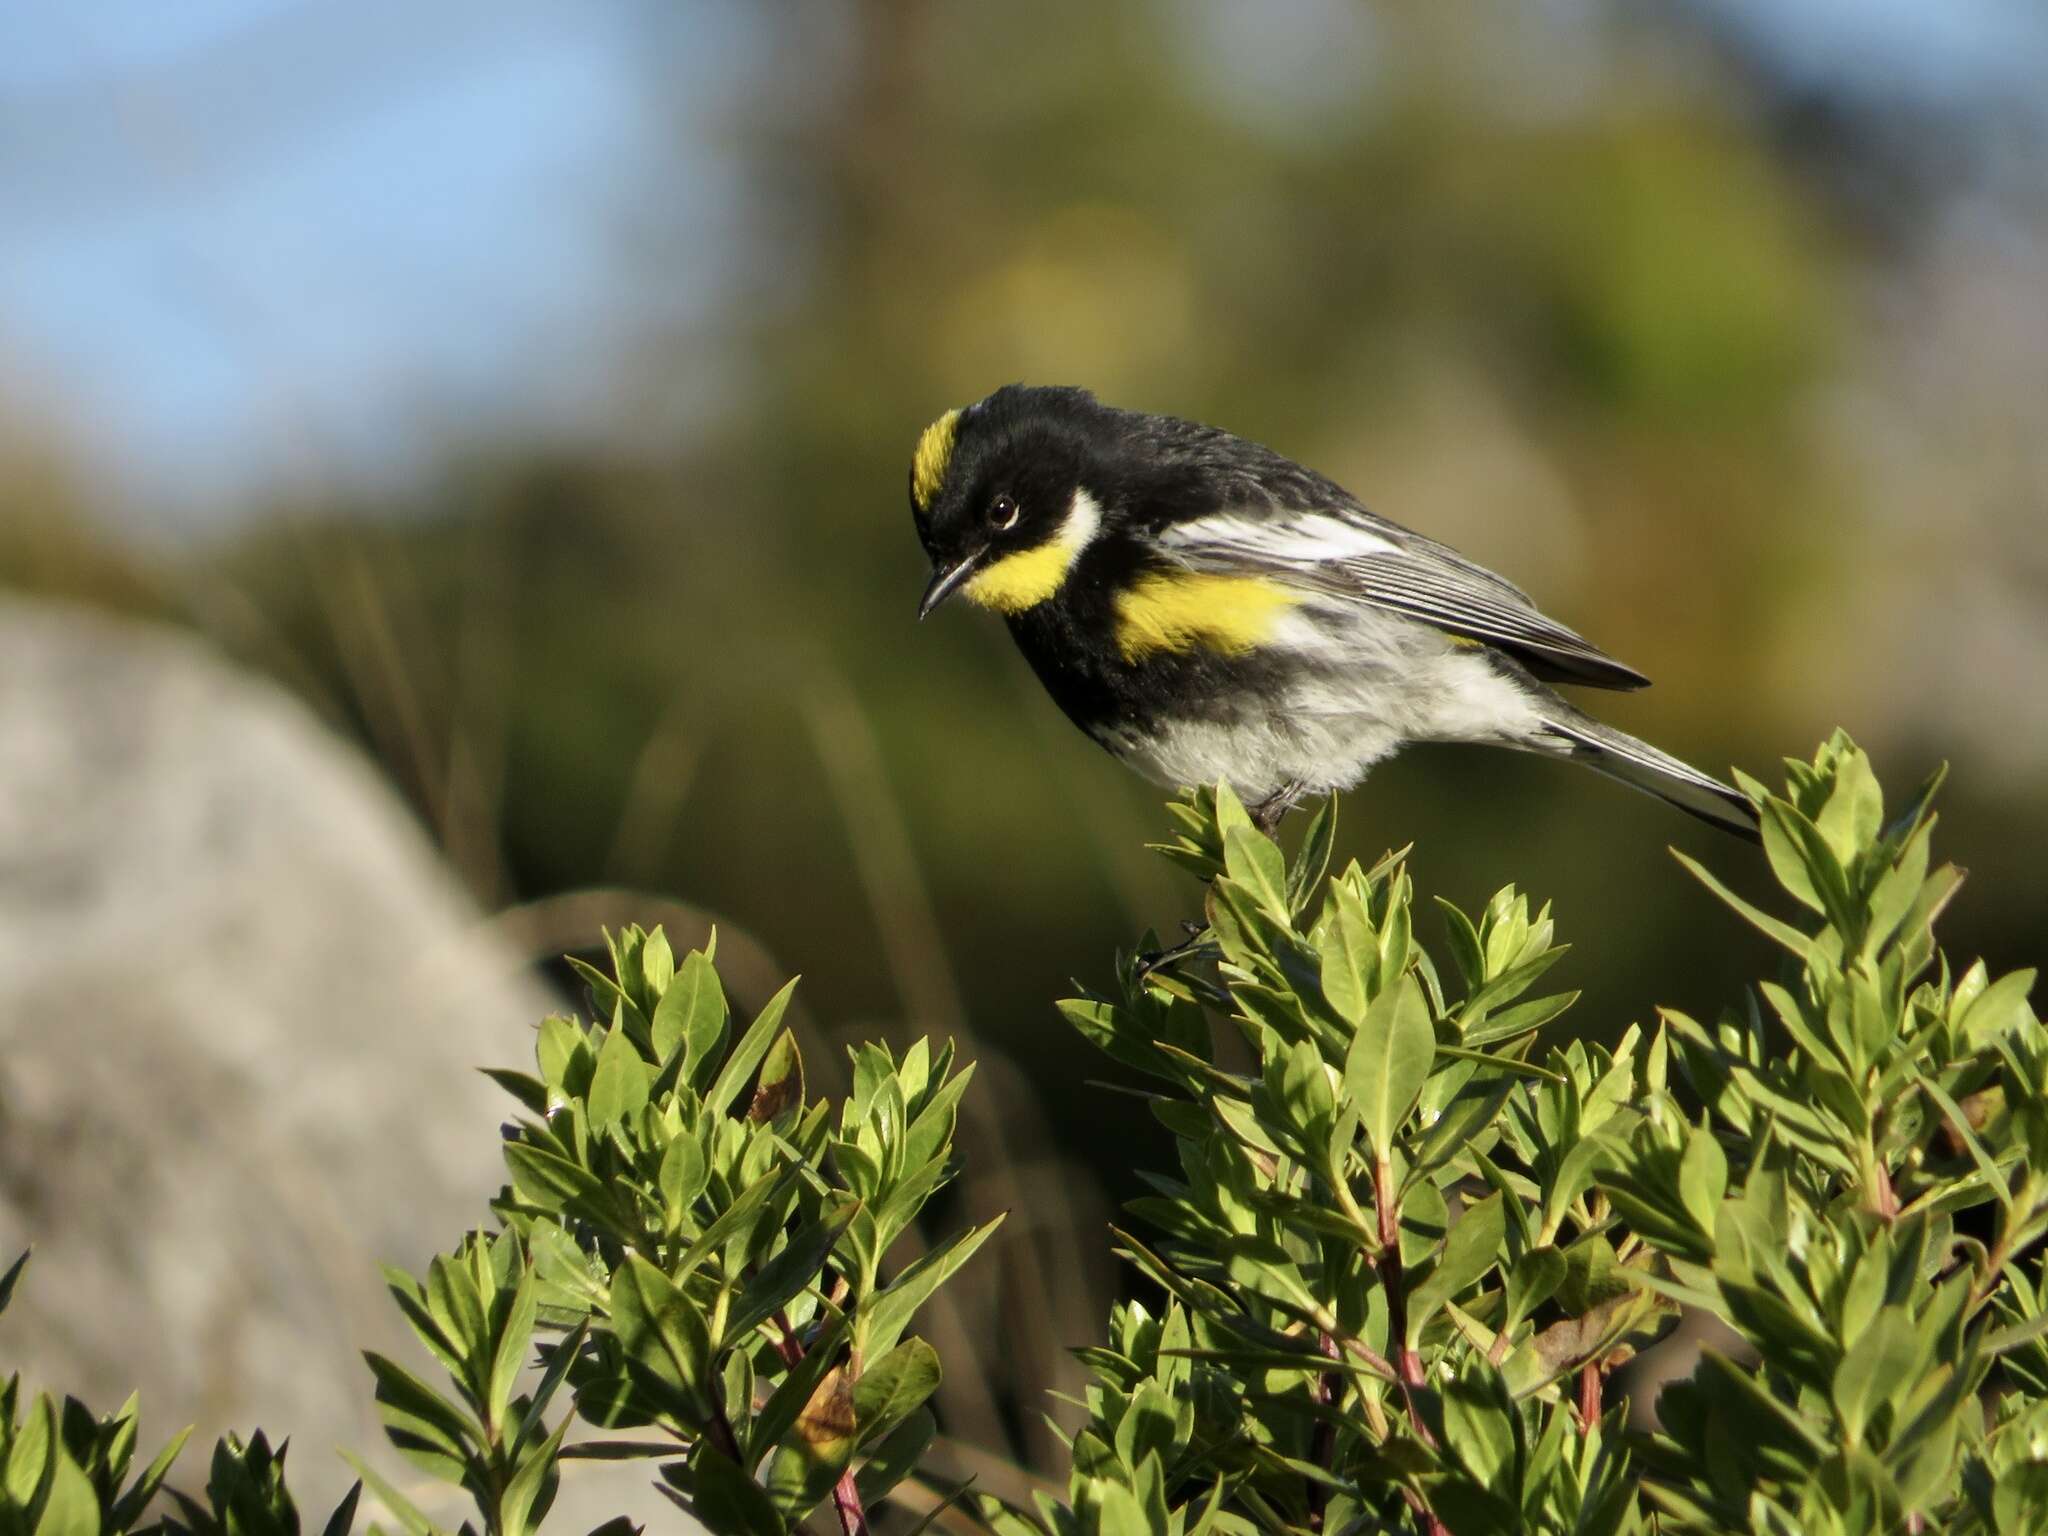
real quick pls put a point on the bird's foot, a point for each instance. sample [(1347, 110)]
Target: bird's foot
[(1267, 813)]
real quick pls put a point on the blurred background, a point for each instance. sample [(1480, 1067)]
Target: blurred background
[(526, 390)]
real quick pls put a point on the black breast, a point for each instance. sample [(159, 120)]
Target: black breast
[(1070, 641)]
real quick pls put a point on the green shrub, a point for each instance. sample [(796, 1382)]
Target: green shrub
[(1401, 1254), (1403, 1250)]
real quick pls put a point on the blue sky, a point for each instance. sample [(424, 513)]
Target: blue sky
[(247, 239)]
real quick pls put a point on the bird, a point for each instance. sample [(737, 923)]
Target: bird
[(1211, 611)]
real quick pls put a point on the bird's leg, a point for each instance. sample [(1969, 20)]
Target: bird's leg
[(1267, 813)]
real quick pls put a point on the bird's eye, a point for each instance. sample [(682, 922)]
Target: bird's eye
[(1002, 514)]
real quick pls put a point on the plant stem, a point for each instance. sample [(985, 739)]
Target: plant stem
[(1408, 1362), (853, 1520), (1589, 1394), (1328, 1388), (786, 1343)]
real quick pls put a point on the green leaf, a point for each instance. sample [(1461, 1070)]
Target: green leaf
[(513, 1341), (531, 1489), (662, 1330), (1959, 1123), (2002, 1340), (899, 1455), (1479, 1426), (561, 1360), (779, 1413), (747, 1054), (1536, 1275), (402, 1509), (1785, 852), (791, 1270), (1312, 863), (1876, 1369), (1389, 1060), (729, 1502), (1522, 1017), (1229, 815), (529, 1090), (609, 998), (426, 1428), (1115, 1508), (1703, 1178), (550, 1177), (1469, 1251), (681, 1177), (735, 1218), (1810, 872), (128, 1508), (573, 1277), (817, 1449), (889, 1311), (691, 1016), (1999, 1009), (780, 1088), (342, 1519), (555, 1050), (895, 1386), (1854, 812), (1511, 1065), (657, 963), (2018, 1498), (1791, 938), (1510, 983), (12, 1278), (1351, 957), (1253, 860), (619, 1087), (71, 1507), (1467, 952)]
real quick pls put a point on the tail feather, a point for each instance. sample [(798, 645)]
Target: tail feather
[(1641, 766)]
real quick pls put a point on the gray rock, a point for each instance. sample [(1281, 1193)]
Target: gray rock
[(241, 1008)]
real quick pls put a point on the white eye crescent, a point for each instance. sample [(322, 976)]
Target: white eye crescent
[(1002, 514)]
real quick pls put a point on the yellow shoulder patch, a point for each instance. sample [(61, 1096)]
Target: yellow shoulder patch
[(928, 463), (1178, 611)]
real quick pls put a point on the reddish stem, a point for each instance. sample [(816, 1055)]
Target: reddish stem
[(786, 1344), (1589, 1395), (1407, 1361), (853, 1520)]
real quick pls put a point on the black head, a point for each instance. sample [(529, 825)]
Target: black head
[(999, 494)]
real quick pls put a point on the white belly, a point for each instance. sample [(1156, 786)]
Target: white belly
[(1376, 692)]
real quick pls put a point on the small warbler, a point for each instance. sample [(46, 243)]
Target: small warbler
[(1207, 609)]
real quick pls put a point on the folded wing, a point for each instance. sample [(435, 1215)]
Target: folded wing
[(1349, 553)]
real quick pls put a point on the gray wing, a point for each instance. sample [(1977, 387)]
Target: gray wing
[(1349, 553)]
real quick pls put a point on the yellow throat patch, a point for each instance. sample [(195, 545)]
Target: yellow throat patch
[(1178, 611), (1023, 580), (928, 463)]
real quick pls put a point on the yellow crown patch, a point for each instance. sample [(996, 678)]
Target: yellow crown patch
[(928, 463)]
